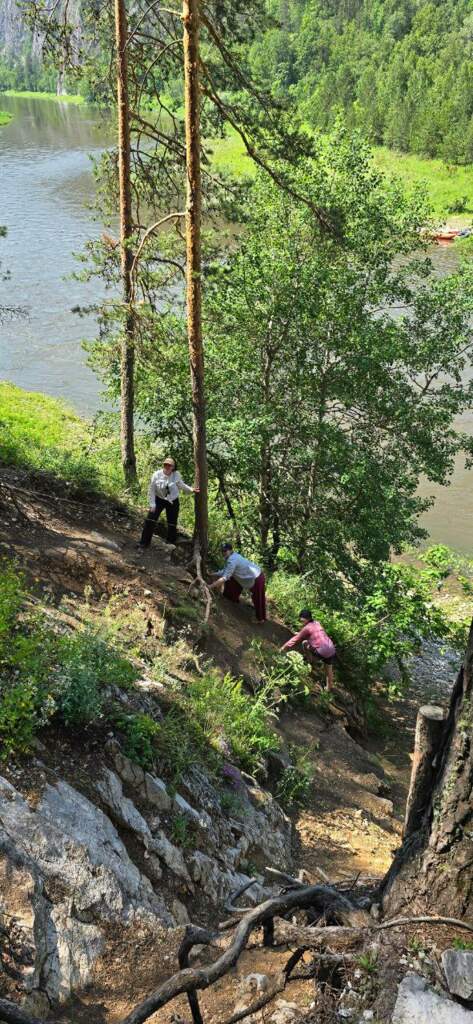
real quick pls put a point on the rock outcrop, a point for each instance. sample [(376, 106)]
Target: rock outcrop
[(75, 873)]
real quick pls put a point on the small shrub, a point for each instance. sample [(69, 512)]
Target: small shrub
[(459, 205), (140, 735), (18, 720), (296, 780), (368, 962), (232, 804), (462, 944), (222, 708), (181, 832)]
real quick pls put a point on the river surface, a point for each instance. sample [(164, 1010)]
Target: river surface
[(46, 191), (46, 187)]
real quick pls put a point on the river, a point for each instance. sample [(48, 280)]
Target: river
[(47, 185), (47, 189)]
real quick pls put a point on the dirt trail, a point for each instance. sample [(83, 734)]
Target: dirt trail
[(352, 821), (350, 824)]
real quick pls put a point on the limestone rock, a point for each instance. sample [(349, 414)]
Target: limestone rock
[(65, 878), (129, 771), (180, 912), (285, 1013), (217, 882), (155, 793), (458, 967), (123, 809), (418, 1003), (172, 857)]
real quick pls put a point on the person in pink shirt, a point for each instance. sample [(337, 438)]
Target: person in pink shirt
[(315, 643)]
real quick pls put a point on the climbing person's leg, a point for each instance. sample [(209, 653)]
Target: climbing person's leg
[(149, 523), (258, 594), (172, 513), (329, 674), (232, 590)]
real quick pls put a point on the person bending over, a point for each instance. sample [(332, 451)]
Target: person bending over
[(315, 643), (240, 574), (163, 493)]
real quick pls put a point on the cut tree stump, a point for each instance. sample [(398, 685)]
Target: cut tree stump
[(429, 728)]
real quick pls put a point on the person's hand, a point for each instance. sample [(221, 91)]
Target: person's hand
[(196, 490)]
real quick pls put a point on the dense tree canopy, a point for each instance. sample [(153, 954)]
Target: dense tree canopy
[(334, 368), (402, 69)]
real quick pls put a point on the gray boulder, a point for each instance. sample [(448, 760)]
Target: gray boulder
[(122, 808), (65, 878), (418, 1003), (458, 967)]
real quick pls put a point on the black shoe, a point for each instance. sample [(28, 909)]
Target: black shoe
[(141, 545)]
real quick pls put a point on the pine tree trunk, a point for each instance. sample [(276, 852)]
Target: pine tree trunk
[(194, 263), (433, 870), (126, 255)]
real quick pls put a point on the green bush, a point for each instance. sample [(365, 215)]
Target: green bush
[(18, 719), (47, 670), (140, 737), (223, 710), (296, 780)]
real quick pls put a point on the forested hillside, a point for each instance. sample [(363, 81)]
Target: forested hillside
[(402, 69)]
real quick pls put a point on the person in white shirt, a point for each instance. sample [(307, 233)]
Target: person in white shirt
[(164, 489), (240, 574)]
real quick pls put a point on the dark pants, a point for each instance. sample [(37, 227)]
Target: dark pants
[(171, 509), (232, 590)]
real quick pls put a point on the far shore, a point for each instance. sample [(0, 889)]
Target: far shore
[(56, 97)]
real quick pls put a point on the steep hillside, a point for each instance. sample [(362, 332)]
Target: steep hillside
[(170, 836), (401, 70)]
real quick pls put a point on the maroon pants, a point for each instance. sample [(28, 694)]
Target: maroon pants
[(232, 590)]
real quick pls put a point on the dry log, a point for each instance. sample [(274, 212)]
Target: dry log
[(193, 979), (429, 729)]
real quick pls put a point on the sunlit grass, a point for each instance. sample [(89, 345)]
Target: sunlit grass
[(27, 94), (446, 185), (228, 155)]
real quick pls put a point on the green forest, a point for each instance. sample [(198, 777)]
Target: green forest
[(402, 71), (236, 563)]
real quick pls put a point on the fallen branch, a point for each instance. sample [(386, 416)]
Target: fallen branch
[(229, 905), (193, 979)]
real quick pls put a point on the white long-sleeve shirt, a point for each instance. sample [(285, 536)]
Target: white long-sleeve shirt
[(166, 487), (244, 571)]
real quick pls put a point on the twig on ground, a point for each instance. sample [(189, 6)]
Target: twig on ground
[(399, 922), (229, 906)]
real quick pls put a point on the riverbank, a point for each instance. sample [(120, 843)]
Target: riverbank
[(450, 189), (28, 95)]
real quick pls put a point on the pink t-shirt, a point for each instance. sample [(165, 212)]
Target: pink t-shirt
[(314, 633)]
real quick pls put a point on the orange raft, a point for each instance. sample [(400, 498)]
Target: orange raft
[(447, 235)]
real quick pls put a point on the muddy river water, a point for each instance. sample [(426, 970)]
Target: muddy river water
[(46, 192)]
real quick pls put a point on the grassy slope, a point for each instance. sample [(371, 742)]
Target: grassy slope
[(76, 100), (445, 185), (42, 433)]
